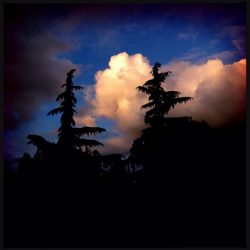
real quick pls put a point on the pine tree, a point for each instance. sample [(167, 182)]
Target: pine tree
[(161, 101), (69, 136)]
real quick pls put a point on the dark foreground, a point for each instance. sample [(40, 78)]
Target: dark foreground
[(191, 193)]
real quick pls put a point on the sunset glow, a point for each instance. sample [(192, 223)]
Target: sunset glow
[(113, 48)]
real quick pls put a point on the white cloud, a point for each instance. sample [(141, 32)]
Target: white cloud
[(218, 91), (116, 96)]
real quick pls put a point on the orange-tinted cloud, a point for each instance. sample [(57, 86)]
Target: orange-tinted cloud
[(116, 96), (218, 90), (119, 144), (86, 120)]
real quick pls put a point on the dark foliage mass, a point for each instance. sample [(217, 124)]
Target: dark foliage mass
[(69, 136), (182, 185), (161, 101)]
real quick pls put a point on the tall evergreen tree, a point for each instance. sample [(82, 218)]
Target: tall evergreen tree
[(161, 101), (69, 136)]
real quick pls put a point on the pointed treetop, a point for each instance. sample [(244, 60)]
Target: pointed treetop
[(70, 76), (161, 101), (71, 72), (159, 76), (155, 69)]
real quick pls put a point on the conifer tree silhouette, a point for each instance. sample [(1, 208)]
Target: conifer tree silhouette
[(69, 136), (158, 135), (161, 101), (43, 146)]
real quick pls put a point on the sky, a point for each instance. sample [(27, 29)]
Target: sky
[(113, 47)]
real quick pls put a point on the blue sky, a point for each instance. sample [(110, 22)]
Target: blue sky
[(40, 40), (161, 33)]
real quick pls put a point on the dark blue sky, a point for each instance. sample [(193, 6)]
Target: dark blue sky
[(160, 32), (43, 39)]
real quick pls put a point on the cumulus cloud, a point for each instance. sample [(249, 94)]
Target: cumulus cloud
[(116, 96), (118, 144), (218, 90), (86, 120)]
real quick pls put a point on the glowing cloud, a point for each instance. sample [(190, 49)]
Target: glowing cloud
[(116, 96), (116, 145), (86, 120), (218, 90)]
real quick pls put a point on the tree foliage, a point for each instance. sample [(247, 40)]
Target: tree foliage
[(43, 146), (69, 136), (161, 101)]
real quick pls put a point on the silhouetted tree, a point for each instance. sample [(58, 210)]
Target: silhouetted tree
[(68, 135), (158, 139), (43, 146), (161, 101)]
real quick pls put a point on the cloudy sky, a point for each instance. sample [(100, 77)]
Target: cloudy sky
[(113, 48)]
